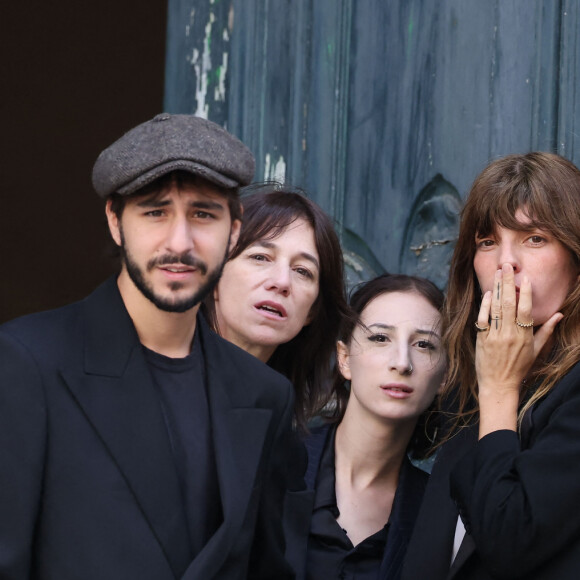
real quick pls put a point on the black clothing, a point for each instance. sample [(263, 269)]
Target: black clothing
[(181, 384), (517, 496), (298, 515), (331, 554), (88, 485)]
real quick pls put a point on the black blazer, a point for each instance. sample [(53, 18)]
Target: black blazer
[(519, 499), (299, 505), (88, 487)]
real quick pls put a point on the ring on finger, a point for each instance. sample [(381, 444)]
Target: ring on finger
[(524, 324), (481, 328)]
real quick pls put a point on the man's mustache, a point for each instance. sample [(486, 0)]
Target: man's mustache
[(186, 259)]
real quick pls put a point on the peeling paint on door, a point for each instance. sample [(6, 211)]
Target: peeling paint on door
[(275, 171)]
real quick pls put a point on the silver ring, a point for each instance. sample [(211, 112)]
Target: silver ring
[(481, 328)]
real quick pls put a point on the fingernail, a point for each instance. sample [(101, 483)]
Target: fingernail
[(506, 268)]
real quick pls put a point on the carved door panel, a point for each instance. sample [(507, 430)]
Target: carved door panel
[(383, 110)]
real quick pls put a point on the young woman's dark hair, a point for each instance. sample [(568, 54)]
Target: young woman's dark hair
[(268, 210), (363, 294)]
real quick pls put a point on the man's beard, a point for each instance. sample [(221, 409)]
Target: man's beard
[(172, 304)]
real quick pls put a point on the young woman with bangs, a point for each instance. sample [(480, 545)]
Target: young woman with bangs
[(504, 494)]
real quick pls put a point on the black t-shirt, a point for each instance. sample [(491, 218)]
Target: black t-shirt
[(331, 554), (183, 396)]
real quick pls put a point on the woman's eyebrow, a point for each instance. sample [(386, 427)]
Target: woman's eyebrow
[(380, 325), (428, 333), (383, 326)]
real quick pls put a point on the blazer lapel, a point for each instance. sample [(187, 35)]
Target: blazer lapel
[(437, 506), (410, 489), (314, 444), (298, 504), (298, 507), (117, 394), (238, 436), (466, 549)]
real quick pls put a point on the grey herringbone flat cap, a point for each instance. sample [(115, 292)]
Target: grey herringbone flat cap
[(168, 143)]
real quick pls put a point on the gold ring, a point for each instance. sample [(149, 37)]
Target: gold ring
[(522, 325), (480, 328)]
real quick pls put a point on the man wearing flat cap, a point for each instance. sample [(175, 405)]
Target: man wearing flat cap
[(135, 444)]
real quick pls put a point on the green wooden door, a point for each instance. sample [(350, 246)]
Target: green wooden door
[(383, 110)]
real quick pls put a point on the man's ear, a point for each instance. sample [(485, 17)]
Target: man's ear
[(234, 234), (342, 357), (113, 221)]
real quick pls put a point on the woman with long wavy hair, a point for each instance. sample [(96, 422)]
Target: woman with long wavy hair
[(503, 498)]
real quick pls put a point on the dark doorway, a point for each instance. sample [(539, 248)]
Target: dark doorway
[(75, 76)]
